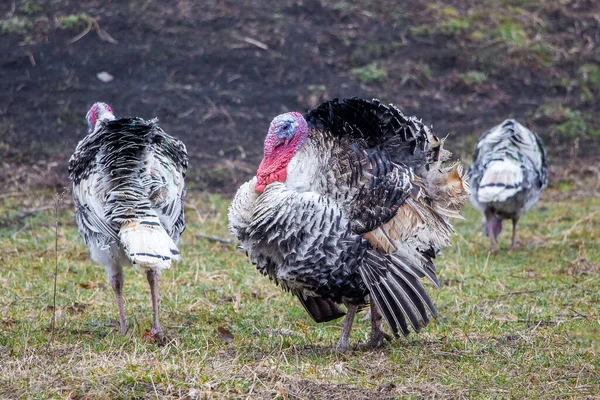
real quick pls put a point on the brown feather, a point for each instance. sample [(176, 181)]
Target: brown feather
[(404, 224)]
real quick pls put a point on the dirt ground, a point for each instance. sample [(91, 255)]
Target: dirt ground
[(216, 72)]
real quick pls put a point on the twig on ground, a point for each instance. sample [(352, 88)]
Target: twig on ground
[(213, 239), (519, 291), (584, 219), (82, 34), (58, 197), (254, 42), (11, 194), (93, 24)]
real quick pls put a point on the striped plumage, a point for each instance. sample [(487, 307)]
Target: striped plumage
[(360, 207), (128, 189), (508, 174)]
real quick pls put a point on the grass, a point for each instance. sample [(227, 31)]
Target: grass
[(512, 34), (30, 7), (589, 82), (73, 21), (370, 73), (473, 78), (569, 123), (511, 325), (15, 26)]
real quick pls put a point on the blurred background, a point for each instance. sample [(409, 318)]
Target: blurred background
[(216, 72)]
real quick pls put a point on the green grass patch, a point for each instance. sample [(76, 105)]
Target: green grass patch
[(512, 34), (589, 82), (511, 325), (456, 25), (567, 122), (30, 7), (473, 78), (73, 21), (371, 73), (16, 26)]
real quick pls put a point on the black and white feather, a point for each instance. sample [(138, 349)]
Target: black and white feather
[(363, 211), (508, 174), (128, 188), (509, 169)]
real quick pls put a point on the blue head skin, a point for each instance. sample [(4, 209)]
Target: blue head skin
[(287, 133)]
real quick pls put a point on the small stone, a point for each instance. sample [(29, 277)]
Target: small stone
[(104, 76)]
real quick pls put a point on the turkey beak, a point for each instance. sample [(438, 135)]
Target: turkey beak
[(281, 140)]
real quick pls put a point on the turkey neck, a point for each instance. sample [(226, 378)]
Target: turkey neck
[(304, 168)]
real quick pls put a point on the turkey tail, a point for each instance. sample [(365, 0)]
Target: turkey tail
[(148, 245), (501, 180), (394, 285), (321, 310)]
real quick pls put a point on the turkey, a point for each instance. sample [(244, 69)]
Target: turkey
[(350, 204), (507, 176), (128, 190)]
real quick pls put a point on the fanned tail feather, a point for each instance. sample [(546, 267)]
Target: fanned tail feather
[(148, 245), (395, 287), (501, 180)]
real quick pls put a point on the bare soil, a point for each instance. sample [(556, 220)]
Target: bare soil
[(216, 72)]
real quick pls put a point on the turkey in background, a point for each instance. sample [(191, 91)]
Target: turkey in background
[(508, 174), (128, 189)]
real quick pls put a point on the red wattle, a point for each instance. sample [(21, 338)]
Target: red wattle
[(272, 169)]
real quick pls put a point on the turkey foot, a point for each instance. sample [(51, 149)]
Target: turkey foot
[(159, 338), (377, 335), (377, 340)]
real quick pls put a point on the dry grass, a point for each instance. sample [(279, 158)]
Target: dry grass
[(514, 325)]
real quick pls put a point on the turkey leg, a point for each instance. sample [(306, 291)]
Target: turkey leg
[(514, 245), (494, 227), (116, 281), (342, 345), (156, 329)]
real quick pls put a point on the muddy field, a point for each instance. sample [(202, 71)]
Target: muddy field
[(216, 72)]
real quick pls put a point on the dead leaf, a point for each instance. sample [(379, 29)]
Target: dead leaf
[(225, 334), (8, 322), (226, 299), (303, 326), (237, 302), (88, 285), (581, 267), (93, 285), (149, 337), (77, 307)]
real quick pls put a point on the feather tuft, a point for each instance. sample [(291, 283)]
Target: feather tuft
[(148, 245)]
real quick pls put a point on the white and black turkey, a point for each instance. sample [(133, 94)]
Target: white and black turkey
[(351, 202), (128, 189), (508, 174)]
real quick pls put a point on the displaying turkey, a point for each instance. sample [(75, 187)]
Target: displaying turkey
[(128, 189), (351, 201), (507, 176)]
